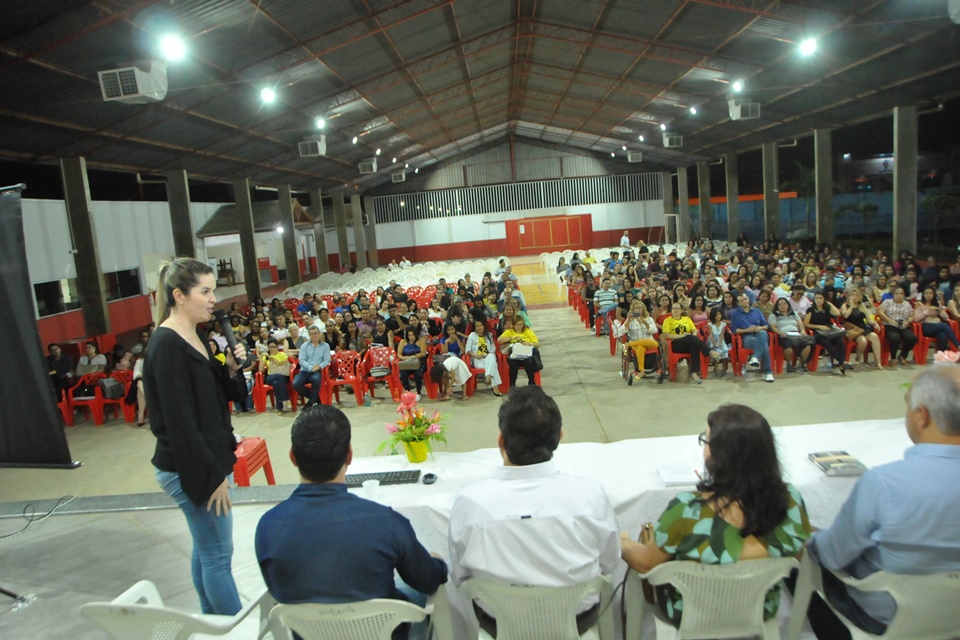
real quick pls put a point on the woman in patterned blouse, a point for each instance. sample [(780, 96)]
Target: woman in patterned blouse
[(742, 509), (896, 314)]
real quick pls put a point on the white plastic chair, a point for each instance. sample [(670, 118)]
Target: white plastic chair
[(367, 620), (719, 600), (541, 613), (139, 614), (928, 607)]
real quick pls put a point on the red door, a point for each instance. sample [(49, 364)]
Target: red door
[(533, 236)]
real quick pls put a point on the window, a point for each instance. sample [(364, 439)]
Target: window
[(56, 296), (123, 284)]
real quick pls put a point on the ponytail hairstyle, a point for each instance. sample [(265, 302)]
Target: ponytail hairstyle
[(183, 274)]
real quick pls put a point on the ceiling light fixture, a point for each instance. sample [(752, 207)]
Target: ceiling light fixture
[(663, 127), (417, 170), (268, 95), (737, 86), (321, 123), (613, 155), (279, 229), (354, 139), (808, 46), (693, 111), (173, 47), (641, 138), (406, 165), (402, 203), (378, 151), (394, 161), (624, 147)]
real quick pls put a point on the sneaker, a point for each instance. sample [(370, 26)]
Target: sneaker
[(802, 368), (791, 368), (768, 377), (753, 362)]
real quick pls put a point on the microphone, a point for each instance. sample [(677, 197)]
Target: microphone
[(226, 330)]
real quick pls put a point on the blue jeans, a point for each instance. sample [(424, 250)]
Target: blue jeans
[(759, 343), (941, 332), (279, 383), (314, 379), (212, 549), (418, 630), (602, 312)]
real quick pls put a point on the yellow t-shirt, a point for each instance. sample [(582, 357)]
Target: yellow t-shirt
[(527, 336), (276, 364), (681, 327)]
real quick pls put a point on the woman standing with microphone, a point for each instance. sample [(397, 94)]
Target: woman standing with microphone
[(188, 392)]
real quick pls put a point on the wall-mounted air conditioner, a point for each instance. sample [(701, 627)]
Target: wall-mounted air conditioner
[(672, 140), (743, 110), (634, 156), (313, 148), (399, 176), (368, 165), (143, 82)]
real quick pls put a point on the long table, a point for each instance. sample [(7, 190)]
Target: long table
[(628, 471)]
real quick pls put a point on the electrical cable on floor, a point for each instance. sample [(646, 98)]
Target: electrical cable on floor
[(32, 516)]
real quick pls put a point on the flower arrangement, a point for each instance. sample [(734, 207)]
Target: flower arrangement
[(414, 427), (947, 356)]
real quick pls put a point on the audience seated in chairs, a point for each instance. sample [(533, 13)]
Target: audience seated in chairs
[(793, 340), (277, 374), (745, 506), (681, 334), (819, 319), (481, 349), (60, 366), (897, 314), (521, 340), (314, 357), (751, 326), (413, 351), (641, 333), (449, 373)]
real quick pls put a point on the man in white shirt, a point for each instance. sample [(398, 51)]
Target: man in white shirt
[(625, 239), (529, 523)]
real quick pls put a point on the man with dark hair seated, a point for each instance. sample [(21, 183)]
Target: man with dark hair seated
[(531, 524), (326, 545)]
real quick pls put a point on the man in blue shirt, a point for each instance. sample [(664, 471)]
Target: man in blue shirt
[(751, 326), (314, 358), (324, 544), (902, 517), (307, 305)]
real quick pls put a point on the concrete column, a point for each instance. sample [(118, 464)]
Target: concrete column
[(733, 196), (359, 233), (703, 185), (373, 258), (285, 198), (683, 195), (248, 246), (90, 283), (904, 180), (178, 199), (823, 168), (340, 219), (771, 191), (667, 188), (319, 233)]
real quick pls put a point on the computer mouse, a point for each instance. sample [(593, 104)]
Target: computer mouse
[(429, 478)]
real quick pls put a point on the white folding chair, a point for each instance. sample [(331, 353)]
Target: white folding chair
[(928, 607), (139, 614), (541, 613), (367, 620), (719, 600)]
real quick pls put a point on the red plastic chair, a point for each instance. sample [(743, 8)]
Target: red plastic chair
[(922, 351), (598, 321), (295, 396), (66, 410), (673, 359), (433, 389), (379, 356), (129, 411), (94, 403), (741, 354), (262, 390), (347, 373), (252, 455), (106, 342), (504, 368)]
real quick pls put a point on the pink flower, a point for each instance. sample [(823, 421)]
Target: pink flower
[(947, 356), (432, 429), (408, 400), (435, 416), (392, 428)]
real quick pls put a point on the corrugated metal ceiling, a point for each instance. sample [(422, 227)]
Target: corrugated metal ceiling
[(428, 79)]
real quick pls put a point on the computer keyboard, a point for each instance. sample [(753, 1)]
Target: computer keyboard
[(385, 477)]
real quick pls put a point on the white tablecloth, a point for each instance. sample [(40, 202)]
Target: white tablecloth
[(627, 470)]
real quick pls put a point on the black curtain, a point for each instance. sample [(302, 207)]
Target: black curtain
[(31, 428)]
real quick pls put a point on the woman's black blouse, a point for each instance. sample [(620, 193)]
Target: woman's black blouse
[(188, 397)]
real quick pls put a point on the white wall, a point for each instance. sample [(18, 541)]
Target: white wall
[(471, 228)]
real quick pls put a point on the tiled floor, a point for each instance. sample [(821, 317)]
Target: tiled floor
[(69, 560)]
